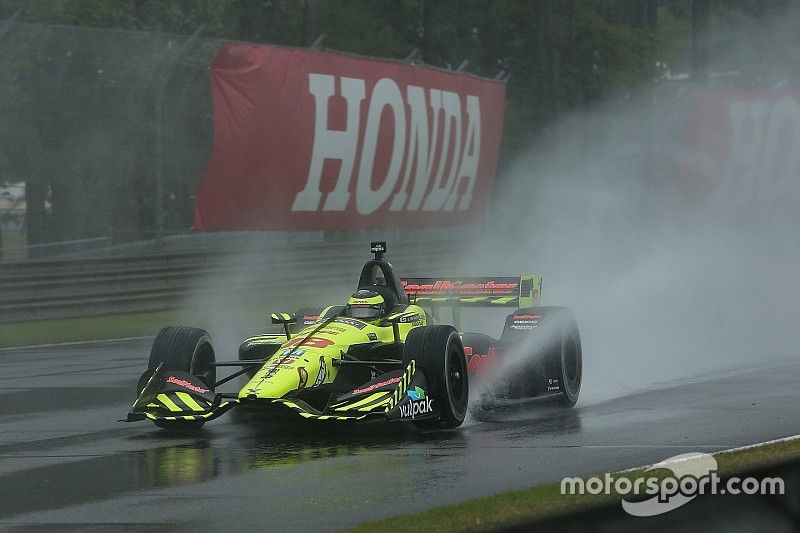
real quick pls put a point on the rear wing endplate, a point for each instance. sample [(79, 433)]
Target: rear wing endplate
[(522, 291)]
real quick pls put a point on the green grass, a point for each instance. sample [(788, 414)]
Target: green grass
[(13, 245), (81, 329), (546, 501), (245, 317), (124, 325)]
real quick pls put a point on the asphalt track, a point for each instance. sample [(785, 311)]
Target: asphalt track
[(66, 463)]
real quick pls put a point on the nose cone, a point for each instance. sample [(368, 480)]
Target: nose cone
[(287, 371)]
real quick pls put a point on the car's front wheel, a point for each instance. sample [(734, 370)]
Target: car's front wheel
[(438, 352), (186, 349)]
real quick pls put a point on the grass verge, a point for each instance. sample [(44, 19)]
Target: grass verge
[(546, 501), (217, 315), (124, 325), (82, 329)]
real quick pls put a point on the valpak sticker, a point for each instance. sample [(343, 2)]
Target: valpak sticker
[(420, 404)]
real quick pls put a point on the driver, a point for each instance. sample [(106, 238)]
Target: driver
[(365, 304)]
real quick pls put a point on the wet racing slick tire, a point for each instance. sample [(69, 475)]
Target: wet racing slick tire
[(186, 349), (438, 352), (558, 359)]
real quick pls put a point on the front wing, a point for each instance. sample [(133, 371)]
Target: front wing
[(173, 396)]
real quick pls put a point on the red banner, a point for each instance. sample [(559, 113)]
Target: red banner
[(318, 140), (744, 148)]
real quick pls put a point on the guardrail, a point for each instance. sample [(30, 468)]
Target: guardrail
[(65, 288)]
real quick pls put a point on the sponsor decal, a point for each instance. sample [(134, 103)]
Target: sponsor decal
[(322, 374), (479, 363), (462, 287), (186, 385), (344, 145), (527, 322), (311, 342), (411, 146), (372, 336), (416, 393), (309, 319), (742, 148), (370, 388), (284, 359), (419, 404), (274, 369), (350, 322), (409, 318), (303, 374)]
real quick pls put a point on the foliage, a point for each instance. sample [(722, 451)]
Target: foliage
[(76, 105)]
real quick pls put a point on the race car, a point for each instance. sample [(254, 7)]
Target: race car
[(384, 355)]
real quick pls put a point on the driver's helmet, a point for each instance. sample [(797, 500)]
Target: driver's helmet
[(366, 304)]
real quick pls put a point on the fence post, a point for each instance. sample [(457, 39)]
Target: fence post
[(319, 42), (7, 27), (10, 23), (162, 76)]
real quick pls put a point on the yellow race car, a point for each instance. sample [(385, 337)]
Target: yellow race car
[(383, 355)]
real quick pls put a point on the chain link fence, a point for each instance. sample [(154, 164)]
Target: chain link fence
[(79, 120)]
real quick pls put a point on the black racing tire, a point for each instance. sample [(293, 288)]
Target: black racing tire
[(561, 357), (186, 349), (570, 363), (438, 352), (189, 350)]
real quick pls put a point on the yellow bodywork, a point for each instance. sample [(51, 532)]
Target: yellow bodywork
[(307, 360)]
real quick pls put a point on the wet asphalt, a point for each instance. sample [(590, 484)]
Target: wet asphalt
[(67, 463)]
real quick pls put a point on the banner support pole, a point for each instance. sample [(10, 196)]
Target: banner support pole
[(162, 77)]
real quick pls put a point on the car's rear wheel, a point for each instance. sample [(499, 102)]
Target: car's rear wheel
[(186, 349), (570, 361), (547, 344), (438, 352)]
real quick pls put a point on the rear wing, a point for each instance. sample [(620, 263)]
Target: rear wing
[(522, 291)]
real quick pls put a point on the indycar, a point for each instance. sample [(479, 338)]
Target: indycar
[(341, 363)]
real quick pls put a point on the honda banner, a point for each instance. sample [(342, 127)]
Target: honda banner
[(317, 140), (744, 148)]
